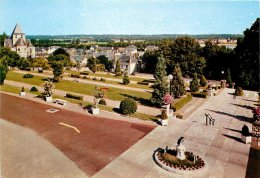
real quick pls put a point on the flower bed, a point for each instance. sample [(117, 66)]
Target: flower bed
[(169, 161)]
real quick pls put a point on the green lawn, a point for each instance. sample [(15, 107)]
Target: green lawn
[(87, 89), (16, 90), (119, 77)]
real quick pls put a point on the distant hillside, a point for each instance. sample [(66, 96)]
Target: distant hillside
[(132, 37)]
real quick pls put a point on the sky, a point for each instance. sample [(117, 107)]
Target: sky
[(66, 17)]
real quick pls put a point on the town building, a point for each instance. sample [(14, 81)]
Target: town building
[(18, 42)]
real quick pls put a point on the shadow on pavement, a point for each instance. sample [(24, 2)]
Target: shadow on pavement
[(241, 118), (253, 164), (232, 137)]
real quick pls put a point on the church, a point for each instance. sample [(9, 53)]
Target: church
[(17, 42)]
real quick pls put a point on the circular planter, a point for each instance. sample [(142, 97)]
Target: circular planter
[(179, 169)]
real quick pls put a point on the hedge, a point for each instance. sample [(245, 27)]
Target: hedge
[(178, 105), (77, 97), (34, 89), (143, 83), (84, 73), (28, 76), (200, 94)]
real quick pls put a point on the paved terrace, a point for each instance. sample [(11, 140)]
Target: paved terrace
[(219, 145)]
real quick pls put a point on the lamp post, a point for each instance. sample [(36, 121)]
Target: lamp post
[(222, 72), (170, 77)]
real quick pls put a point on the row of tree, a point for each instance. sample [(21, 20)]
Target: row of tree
[(213, 61)]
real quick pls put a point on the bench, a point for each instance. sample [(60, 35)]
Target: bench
[(61, 102)]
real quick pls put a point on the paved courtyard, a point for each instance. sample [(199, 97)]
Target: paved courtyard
[(219, 145), (114, 148), (99, 142)]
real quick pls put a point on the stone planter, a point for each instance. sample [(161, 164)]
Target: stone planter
[(246, 139), (164, 122), (48, 98), (22, 93), (95, 111)]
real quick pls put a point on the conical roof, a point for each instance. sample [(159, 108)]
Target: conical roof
[(17, 30)]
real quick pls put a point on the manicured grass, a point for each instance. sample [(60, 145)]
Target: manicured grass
[(146, 87), (119, 77), (16, 90), (82, 88)]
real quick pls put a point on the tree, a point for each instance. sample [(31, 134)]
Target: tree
[(149, 61), (203, 81), (161, 84), (118, 68), (57, 67), (228, 78), (128, 106), (39, 62), (184, 51), (92, 64), (104, 60), (61, 58), (194, 84), (3, 71), (12, 57), (247, 58), (60, 51), (218, 58), (177, 83), (126, 80), (2, 39), (24, 64)]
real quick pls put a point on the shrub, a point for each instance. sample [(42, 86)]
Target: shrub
[(40, 71), (126, 80), (128, 106), (77, 97), (178, 105), (34, 89), (103, 80), (102, 102), (143, 83), (84, 73), (164, 115), (94, 78), (194, 84), (200, 94), (75, 75), (245, 131), (28, 76), (203, 81), (22, 90), (239, 91)]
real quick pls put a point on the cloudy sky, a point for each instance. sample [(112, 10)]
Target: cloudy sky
[(63, 17)]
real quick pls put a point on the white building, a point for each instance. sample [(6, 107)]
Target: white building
[(20, 44)]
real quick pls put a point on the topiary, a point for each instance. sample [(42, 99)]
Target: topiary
[(102, 102), (126, 80), (239, 91), (128, 106), (34, 89), (245, 131), (203, 81)]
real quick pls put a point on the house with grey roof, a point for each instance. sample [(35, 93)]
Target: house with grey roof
[(18, 42)]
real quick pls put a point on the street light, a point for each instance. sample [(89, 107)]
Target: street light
[(170, 77)]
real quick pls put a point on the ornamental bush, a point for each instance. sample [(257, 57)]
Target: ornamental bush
[(239, 91), (126, 80), (203, 81), (34, 89), (28, 76), (245, 131), (128, 106), (102, 102)]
